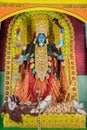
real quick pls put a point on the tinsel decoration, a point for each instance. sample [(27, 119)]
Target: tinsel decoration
[(18, 60), (16, 77)]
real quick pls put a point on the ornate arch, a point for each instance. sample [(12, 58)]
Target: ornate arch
[(23, 22)]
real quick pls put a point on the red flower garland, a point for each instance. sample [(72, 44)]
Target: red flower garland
[(49, 83)]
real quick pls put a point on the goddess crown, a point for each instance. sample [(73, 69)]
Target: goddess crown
[(41, 28)]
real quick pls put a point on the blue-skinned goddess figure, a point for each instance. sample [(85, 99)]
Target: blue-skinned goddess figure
[(43, 70)]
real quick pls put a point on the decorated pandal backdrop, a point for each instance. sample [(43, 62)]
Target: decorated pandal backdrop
[(26, 24)]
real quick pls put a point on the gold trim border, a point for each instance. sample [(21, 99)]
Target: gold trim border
[(47, 1)]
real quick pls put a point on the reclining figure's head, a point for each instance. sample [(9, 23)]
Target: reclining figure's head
[(13, 101)]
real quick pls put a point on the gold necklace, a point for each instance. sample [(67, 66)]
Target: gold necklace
[(41, 61)]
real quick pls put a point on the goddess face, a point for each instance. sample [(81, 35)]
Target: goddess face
[(41, 39)]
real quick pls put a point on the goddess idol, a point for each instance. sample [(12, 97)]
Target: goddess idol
[(42, 69)]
